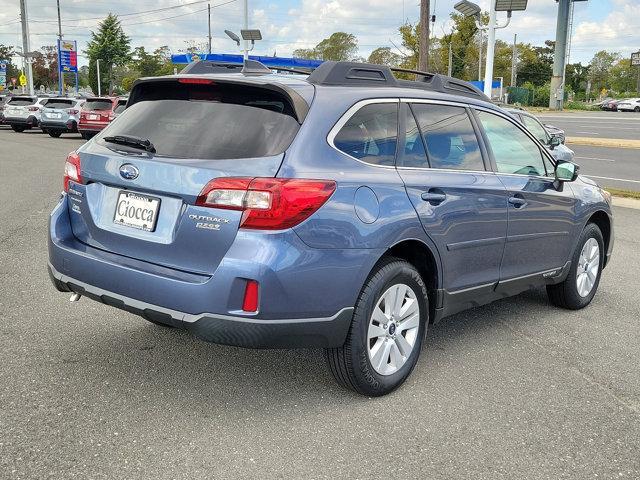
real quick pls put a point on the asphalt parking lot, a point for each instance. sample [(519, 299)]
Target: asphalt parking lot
[(515, 390)]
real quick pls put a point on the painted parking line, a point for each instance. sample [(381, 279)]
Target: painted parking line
[(596, 158), (589, 133), (611, 178)]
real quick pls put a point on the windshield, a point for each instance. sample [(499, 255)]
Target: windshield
[(21, 101), (121, 106), (97, 105), (536, 128), (210, 121)]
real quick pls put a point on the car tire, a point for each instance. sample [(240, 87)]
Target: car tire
[(17, 128), (358, 364), (54, 133), (581, 284), (84, 135), (637, 109)]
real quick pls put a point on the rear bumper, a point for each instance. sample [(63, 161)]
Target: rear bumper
[(306, 295), (30, 121), (69, 126), (225, 329), (91, 127)]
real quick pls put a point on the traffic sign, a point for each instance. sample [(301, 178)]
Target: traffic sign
[(23, 80), (68, 55), (635, 59), (3, 74)]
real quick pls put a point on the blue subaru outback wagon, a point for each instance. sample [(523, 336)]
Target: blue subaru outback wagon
[(346, 209)]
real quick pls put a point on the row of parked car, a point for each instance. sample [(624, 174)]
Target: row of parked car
[(58, 115), (624, 105)]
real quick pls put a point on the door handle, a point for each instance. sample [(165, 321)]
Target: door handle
[(434, 196), (517, 201)]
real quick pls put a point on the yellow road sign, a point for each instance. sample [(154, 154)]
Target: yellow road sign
[(23, 79)]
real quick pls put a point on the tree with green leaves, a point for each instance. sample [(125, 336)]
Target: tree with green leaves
[(339, 46), (600, 68), (384, 56), (111, 46)]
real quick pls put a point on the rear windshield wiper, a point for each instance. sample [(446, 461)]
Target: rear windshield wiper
[(131, 141)]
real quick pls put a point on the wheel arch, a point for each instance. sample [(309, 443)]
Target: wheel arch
[(602, 220), (426, 261)]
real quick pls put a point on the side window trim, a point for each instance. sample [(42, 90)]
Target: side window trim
[(351, 111), (421, 134), (543, 151)]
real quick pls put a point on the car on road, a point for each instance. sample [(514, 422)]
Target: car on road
[(22, 112), (555, 132), (629, 105), (610, 105), (122, 104), (3, 100), (554, 143), (96, 114), (346, 210), (60, 115)]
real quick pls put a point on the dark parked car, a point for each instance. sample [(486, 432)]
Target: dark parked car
[(346, 210), (610, 105)]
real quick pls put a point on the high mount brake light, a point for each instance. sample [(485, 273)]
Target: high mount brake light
[(200, 81), (267, 203), (72, 170)]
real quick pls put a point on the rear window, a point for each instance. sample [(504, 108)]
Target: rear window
[(21, 101), (209, 121), (55, 103), (122, 104), (97, 105)]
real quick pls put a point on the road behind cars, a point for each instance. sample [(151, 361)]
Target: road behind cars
[(624, 125), (517, 389)]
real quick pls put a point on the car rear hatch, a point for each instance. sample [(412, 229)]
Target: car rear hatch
[(200, 130), (97, 110), (57, 109), (19, 107)]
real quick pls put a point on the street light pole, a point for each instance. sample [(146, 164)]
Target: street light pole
[(491, 43), (556, 97), (246, 27), (60, 77), (209, 23), (98, 72), (25, 44)]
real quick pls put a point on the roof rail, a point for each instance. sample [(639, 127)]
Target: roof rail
[(370, 74)]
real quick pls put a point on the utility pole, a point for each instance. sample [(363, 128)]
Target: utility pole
[(491, 44), (480, 56), (246, 27), (450, 67), (60, 76), (98, 72), (26, 48), (209, 11), (513, 61), (556, 96), (423, 50)]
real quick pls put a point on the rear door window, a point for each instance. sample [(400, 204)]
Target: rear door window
[(209, 121), (449, 136), (536, 128), (371, 134), (413, 154), (97, 105)]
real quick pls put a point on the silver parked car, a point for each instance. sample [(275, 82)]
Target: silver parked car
[(22, 112), (60, 115), (553, 142)]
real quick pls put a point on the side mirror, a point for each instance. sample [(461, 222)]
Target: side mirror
[(554, 142), (566, 171)]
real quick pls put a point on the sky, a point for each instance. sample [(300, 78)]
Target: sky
[(613, 25)]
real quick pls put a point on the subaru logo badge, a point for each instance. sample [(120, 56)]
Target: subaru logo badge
[(129, 172)]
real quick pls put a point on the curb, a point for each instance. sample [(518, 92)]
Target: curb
[(626, 202), (604, 142)]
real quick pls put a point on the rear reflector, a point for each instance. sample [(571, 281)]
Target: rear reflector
[(267, 203), (72, 170), (201, 81), (250, 302)]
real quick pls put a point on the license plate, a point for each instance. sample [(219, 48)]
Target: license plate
[(136, 211), (55, 115), (93, 117)]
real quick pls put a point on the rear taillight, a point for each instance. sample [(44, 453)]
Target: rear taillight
[(111, 116), (33, 109), (72, 111), (72, 170), (267, 203), (196, 81)]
